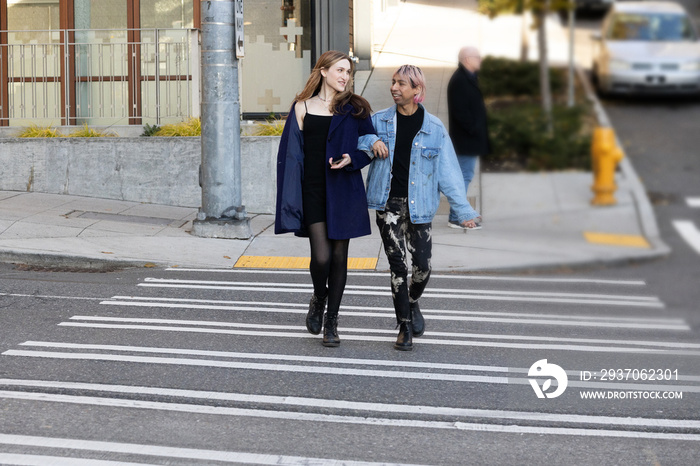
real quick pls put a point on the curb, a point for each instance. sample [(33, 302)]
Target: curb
[(64, 261), (644, 209)]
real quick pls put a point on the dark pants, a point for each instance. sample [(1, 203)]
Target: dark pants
[(398, 236)]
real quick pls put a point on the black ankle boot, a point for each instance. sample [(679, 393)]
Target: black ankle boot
[(330, 331), (314, 318), (404, 342), (417, 320)]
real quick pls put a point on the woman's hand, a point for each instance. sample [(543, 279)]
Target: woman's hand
[(340, 163), (380, 150)]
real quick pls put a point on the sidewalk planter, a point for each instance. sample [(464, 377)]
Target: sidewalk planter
[(155, 170)]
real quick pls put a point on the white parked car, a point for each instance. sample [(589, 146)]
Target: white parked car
[(647, 47)]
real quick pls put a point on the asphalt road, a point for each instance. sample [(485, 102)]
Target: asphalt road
[(196, 367)]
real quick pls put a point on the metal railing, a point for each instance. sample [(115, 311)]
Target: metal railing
[(99, 76)]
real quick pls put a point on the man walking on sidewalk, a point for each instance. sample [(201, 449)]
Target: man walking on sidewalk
[(404, 184), (467, 119)]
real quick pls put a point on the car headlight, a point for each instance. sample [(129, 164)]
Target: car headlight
[(619, 65), (690, 66)]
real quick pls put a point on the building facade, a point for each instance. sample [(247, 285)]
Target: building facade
[(133, 62)]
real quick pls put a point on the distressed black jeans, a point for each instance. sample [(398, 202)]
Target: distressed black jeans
[(400, 236)]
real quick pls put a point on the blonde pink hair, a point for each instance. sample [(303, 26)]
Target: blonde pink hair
[(415, 77)]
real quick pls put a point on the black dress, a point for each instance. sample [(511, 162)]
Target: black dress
[(314, 184)]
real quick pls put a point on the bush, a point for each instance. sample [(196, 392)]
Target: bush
[(503, 77), (269, 128), (191, 127), (35, 131), (150, 130), (86, 132), (520, 141)]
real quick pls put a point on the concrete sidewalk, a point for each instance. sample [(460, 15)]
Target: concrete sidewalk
[(531, 221)]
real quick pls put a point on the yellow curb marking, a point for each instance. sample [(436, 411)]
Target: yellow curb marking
[(281, 262), (631, 241)]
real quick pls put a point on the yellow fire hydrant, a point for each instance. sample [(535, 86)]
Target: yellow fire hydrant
[(606, 155)]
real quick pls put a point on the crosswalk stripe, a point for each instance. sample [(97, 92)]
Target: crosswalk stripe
[(348, 405), (430, 294), (435, 290), (517, 371), (167, 452), (689, 233), (334, 418), (304, 307), (331, 370), (630, 324), (600, 281), (427, 341), (431, 333)]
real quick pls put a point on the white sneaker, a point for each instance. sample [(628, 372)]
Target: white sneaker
[(460, 227)]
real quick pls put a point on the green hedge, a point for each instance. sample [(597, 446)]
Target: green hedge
[(520, 141), (502, 77)]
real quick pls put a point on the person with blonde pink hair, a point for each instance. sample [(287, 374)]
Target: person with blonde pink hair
[(414, 162)]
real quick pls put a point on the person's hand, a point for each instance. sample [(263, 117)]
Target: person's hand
[(380, 150), (469, 223), (340, 163)]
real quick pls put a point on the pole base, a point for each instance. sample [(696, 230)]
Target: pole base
[(229, 228)]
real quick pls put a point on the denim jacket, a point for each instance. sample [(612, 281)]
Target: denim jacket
[(434, 169)]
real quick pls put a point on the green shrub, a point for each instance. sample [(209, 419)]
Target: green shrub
[(191, 127), (85, 132), (504, 77), (150, 130), (520, 140), (35, 131)]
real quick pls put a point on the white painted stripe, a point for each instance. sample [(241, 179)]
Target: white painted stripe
[(596, 302), (269, 356), (263, 285), (262, 366), (516, 378), (689, 233), (168, 452), (426, 341), (431, 333), (356, 420), (347, 405), (599, 281), (301, 358), (305, 306), (693, 201), (655, 324), (329, 370), (41, 460)]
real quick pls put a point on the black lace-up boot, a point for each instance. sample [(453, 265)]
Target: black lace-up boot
[(330, 330), (417, 320), (314, 318)]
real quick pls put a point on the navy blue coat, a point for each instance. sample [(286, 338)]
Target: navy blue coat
[(346, 202)]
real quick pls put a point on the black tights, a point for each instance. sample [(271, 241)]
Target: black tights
[(329, 265)]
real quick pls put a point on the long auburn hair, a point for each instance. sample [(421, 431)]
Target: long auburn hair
[(341, 99)]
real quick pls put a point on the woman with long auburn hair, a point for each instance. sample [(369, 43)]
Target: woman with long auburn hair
[(320, 192)]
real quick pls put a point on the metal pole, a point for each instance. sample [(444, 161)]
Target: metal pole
[(572, 30), (222, 214)]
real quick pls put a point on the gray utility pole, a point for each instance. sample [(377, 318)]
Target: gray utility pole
[(222, 214)]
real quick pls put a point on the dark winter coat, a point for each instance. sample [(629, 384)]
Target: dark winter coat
[(467, 114), (346, 202)]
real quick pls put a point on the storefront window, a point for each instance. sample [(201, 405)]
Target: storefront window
[(33, 61), (277, 54)]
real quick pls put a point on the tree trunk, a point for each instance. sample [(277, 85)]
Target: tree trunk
[(545, 87), (524, 37)]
